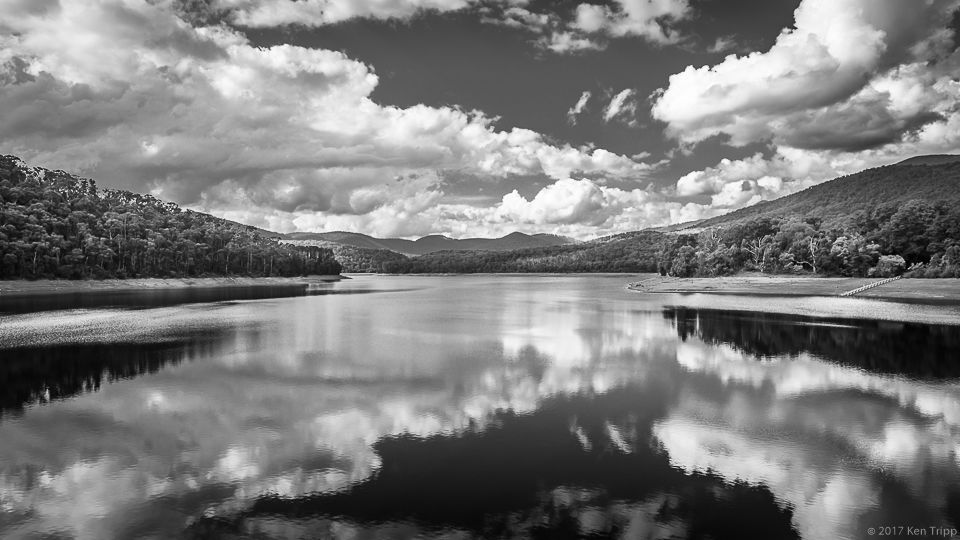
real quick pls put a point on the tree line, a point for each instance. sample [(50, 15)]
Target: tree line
[(916, 239), (56, 225)]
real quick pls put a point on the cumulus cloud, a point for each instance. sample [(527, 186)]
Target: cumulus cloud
[(856, 84), (593, 25), (734, 184), (579, 208), (129, 93), (267, 13), (851, 75), (620, 105), (647, 18), (578, 108)]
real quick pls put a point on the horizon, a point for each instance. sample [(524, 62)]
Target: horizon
[(475, 118)]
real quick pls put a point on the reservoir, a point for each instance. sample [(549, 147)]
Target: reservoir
[(457, 407)]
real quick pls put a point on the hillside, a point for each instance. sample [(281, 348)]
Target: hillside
[(836, 200), (625, 252), (933, 159), (434, 243), (57, 225), (353, 258)]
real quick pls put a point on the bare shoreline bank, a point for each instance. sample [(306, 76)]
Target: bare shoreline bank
[(71, 286), (916, 290)]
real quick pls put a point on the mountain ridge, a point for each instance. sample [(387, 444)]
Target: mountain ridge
[(435, 242)]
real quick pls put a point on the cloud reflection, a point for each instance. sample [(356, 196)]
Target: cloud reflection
[(302, 398)]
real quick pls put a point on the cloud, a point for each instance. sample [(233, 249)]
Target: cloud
[(734, 184), (579, 208), (723, 44), (846, 66), (131, 94), (593, 24), (569, 42), (268, 13), (646, 18), (620, 105), (578, 108), (518, 17)]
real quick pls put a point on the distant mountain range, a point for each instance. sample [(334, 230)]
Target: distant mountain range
[(928, 178), (433, 243)]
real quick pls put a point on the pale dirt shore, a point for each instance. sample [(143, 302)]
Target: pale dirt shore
[(933, 290), (62, 285)]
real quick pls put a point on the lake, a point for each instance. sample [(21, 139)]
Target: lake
[(477, 407)]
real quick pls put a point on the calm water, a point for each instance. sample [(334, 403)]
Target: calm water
[(478, 407)]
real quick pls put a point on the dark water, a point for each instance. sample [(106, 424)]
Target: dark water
[(480, 407)]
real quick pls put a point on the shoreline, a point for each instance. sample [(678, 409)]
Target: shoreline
[(911, 290), (53, 286)]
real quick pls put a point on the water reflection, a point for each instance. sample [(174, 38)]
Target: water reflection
[(928, 351), (18, 303), (479, 407), (848, 449), (528, 477), (142, 298), (39, 375)]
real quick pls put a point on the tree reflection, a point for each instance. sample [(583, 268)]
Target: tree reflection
[(926, 351), (31, 375)]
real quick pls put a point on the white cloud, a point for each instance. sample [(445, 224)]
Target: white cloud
[(835, 81), (734, 184), (266, 13), (857, 84), (517, 17), (569, 42), (128, 93), (647, 18), (576, 208), (593, 24), (620, 105), (578, 108), (723, 44)]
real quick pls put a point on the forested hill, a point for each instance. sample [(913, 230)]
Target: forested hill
[(57, 225), (932, 159), (433, 243), (835, 201), (625, 252)]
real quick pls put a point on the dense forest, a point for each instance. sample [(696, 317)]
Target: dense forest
[(916, 238), (354, 258), (56, 225)]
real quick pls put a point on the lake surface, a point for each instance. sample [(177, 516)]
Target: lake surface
[(478, 407)]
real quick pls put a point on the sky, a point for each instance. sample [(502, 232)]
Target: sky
[(475, 118)]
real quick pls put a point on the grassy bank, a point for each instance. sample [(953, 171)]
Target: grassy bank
[(937, 290), (53, 286)]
